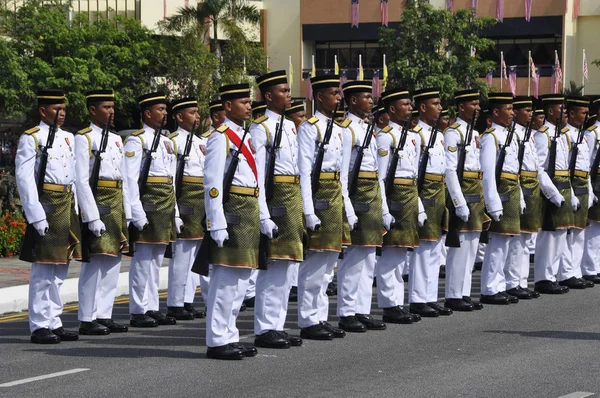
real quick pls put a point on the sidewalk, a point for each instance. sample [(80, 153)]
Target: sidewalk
[(14, 280)]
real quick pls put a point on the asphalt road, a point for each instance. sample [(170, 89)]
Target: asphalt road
[(538, 348)]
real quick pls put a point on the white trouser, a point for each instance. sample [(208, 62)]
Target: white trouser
[(516, 269), (180, 275), (590, 263), (251, 292), (570, 258), (225, 295), (272, 294), (531, 243), (313, 278), (480, 252), (549, 246), (390, 268), (45, 305), (459, 265), (424, 272), (443, 250), (357, 267), (294, 275), (204, 282), (144, 277), (496, 254), (97, 287), (193, 281)]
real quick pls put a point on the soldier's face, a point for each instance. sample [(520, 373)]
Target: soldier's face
[(48, 113), (239, 109), (401, 110), (504, 115), (154, 116), (188, 118), (362, 103), (538, 120), (444, 122), (524, 115), (279, 97), (470, 109), (383, 120), (328, 98), (431, 109), (101, 112), (577, 116), (298, 118), (217, 118)]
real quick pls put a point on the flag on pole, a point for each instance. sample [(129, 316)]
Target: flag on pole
[(473, 51), (343, 80), (268, 65), (187, 4), (503, 69), (500, 10), (489, 78), (566, 6), (376, 82), (450, 5), (336, 67), (164, 9), (361, 72), (536, 83), (534, 76), (585, 67), (558, 75), (512, 78), (385, 73), (528, 4), (576, 9), (291, 74), (354, 13), (313, 73), (474, 4), (384, 12), (244, 69)]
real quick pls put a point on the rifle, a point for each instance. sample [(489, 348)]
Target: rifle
[(452, 237), (316, 170), (391, 171), (548, 223), (353, 182), (502, 154), (526, 139), (181, 161), (148, 159), (425, 156), (575, 149), (27, 252)]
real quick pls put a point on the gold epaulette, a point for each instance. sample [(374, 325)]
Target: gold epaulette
[(138, 132), (417, 129), (32, 130), (565, 130), (206, 134), (260, 119), (543, 129), (84, 131), (490, 130), (344, 124), (223, 128), (592, 128), (173, 135), (454, 126), (313, 120), (387, 129)]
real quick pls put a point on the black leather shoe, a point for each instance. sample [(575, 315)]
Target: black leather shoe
[(337, 332), (592, 278), (458, 305), (496, 299), (519, 293), (415, 317), (248, 349), (293, 295), (161, 318), (587, 283), (351, 324), (573, 283), (295, 341), (142, 321), (370, 322), (396, 315), (65, 335), (443, 311), (114, 327), (44, 336), (423, 310), (271, 339), (180, 314), (250, 302), (531, 292), (331, 289), (442, 273), (511, 299), (316, 332), (93, 328), (189, 307), (227, 352), (476, 304), (548, 287)]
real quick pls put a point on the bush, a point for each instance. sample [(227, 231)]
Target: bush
[(12, 229)]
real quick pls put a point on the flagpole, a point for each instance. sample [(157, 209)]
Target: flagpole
[(312, 100), (359, 66), (529, 75), (501, 66), (583, 73), (384, 66)]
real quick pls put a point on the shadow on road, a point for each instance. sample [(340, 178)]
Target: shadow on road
[(552, 334)]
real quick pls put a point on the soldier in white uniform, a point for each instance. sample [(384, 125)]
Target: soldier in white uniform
[(426, 259), (154, 215), (590, 263), (233, 221), (467, 199), (53, 225), (401, 200), (183, 282), (569, 270), (323, 210), (551, 241), (105, 208)]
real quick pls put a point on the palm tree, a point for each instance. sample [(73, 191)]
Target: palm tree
[(573, 89), (227, 13)]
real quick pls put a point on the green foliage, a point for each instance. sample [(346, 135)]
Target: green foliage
[(573, 89), (12, 229), (432, 48)]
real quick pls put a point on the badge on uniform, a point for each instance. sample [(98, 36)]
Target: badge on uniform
[(168, 147), (203, 149), (452, 148), (214, 192), (129, 154), (294, 131), (250, 145), (477, 142), (68, 143)]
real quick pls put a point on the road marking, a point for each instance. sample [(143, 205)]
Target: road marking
[(43, 377), (577, 394)]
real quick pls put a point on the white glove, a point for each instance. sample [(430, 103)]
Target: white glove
[(96, 227), (179, 225), (352, 222), (312, 222), (422, 218), (463, 212), (41, 227), (268, 228), (388, 221), (141, 223), (593, 199), (558, 200), (523, 207), (496, 215), (219, 236), (575, 202)]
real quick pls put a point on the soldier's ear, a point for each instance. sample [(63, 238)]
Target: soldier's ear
[(267, 96), (422, 107), (228, 106)]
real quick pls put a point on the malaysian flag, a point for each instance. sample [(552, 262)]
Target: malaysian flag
[(503, 70), (313, 73), (576, 8), (384, 12), (558, 75), (343, 80), (586, 72), (533, 69), (474, 4), (500, 10), (512, 78), (528, 10), (354, 13), (376, 84), (489, 78), (450, 5), (536, 83)]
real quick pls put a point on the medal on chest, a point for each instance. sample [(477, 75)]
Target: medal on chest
[(168, 147)]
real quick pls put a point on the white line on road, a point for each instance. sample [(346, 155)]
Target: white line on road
[(43, 377), (578, 394)]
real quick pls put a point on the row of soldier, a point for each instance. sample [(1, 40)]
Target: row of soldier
[(289, 202)]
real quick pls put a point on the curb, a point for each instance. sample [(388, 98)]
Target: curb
[(15, 298)]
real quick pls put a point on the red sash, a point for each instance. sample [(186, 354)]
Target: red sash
[(237, 141)]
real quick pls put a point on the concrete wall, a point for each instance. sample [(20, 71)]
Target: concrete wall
[(340, 11)]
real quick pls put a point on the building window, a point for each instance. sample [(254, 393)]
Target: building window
[(348, 54)]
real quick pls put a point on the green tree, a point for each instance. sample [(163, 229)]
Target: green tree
[(573, 89), (432, 48)]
